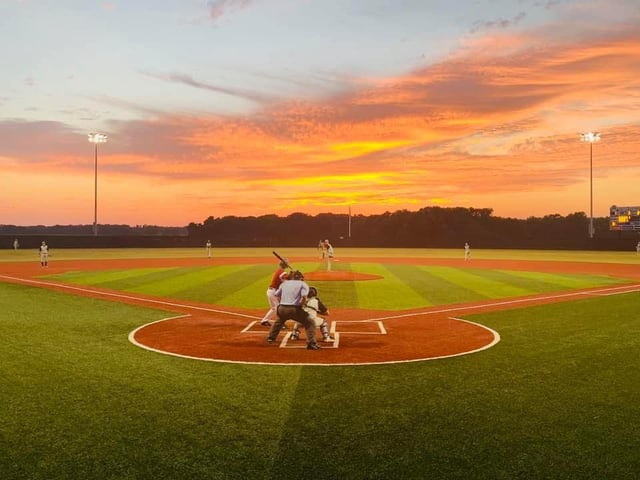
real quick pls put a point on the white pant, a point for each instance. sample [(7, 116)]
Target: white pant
[(273, 304)]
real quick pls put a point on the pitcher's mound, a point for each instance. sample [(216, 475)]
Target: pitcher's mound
[(337, 275)]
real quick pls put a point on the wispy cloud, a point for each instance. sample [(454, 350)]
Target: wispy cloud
[(547, 4), (190, 81), (500, 23), (219, 8)]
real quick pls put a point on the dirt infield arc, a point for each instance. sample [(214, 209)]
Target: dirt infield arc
[(213, 333)]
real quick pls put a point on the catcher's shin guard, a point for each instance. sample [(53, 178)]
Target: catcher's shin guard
[(324, 329)]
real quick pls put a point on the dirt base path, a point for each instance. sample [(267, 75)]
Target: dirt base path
[(216, 333)]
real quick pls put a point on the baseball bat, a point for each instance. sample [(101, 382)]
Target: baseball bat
[(284, 261)]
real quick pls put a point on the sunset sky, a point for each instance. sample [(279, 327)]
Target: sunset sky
[(253, 107)]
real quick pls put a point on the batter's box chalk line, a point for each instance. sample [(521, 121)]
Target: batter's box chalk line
[(255, 328), (302, 343), (378, 323)]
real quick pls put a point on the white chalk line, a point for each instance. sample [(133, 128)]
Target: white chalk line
[(283, 344)]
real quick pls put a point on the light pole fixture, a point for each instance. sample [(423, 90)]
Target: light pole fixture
[(590, 137), (96, 138)]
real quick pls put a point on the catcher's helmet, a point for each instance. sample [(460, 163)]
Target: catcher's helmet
[(313, 292)]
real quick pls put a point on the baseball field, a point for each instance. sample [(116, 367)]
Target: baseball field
[(136, 364)]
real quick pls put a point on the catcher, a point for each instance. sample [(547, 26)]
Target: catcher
[(313, 307)]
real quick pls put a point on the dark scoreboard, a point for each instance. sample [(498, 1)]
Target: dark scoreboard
[(624, 218)]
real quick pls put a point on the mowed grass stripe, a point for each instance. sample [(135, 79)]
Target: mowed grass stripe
[(477, 281), (103, 278), (138, 280), (395, 292), (221, 287), (205, 284), (178, 283), (341, 294), (529, 283), (555, 281), (436, 289)]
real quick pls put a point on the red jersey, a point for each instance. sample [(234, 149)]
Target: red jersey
[(278, 276)]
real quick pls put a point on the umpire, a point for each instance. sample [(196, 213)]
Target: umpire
[(293, 296)]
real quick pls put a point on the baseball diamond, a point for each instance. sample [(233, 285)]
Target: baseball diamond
[(214, 333)]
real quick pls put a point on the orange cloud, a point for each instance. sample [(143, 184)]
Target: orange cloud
[(494, 126)]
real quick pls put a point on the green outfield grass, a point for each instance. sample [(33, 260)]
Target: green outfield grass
[(555, 399), (401, 286)]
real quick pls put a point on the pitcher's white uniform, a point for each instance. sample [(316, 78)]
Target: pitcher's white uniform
[(44, 255), (329, 249)]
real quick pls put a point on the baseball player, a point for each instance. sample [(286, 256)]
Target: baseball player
[(44, 254), (278, 277), (329, 249), (314, 307), (467, 251), (321, 249)]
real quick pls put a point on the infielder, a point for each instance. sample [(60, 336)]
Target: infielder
[(44, 255), (329, 249)]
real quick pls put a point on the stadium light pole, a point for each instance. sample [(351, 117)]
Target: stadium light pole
[(590, 137), (96, 138)]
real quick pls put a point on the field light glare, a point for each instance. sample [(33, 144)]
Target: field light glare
[(96, 138), (590, 137)]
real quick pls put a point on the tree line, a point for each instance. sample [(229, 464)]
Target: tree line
[(429, 227)]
